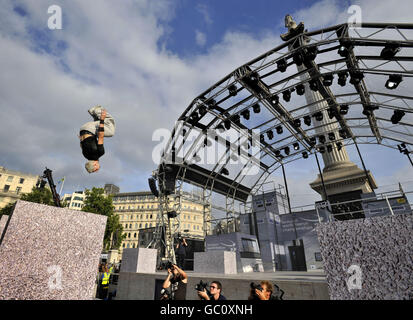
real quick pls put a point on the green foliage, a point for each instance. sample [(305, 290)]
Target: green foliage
[(7, 210), (43, 196), (96, 202)]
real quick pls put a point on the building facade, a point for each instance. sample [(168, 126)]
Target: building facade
[(13, 184), (140, 210), (74, 201)]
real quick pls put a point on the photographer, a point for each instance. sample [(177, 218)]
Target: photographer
[(179, 280), (264, 291), (214, 292), (181, 252)]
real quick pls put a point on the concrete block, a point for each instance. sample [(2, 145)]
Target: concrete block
[(141, 260), (50, 253), (224, 262), (368, 259)]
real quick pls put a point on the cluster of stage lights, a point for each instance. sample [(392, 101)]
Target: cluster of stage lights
[(306, 56)]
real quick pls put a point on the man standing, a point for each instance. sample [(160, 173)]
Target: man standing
[(181, 252), (179, 280), (91, 136), (215, 289)]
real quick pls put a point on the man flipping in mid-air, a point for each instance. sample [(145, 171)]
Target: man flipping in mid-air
[(91, 136)]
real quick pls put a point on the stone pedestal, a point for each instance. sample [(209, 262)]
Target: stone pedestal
[(50, 253), (113, 256), (224, 262), (368, 259), (141, 260)]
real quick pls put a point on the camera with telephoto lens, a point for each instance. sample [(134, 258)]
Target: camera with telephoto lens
[(253, 287), (167, 265), (201, 286)]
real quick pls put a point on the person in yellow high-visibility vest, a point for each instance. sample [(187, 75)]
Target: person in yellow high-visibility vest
[(104, 283)]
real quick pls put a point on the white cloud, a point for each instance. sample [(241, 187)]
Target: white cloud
[(200, 38), (204, 11)]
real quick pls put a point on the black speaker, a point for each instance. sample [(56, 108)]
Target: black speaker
[(152, 186)]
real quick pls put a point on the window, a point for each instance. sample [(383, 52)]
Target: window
[(21, 180), (134, 235), (10, 179), (140, 225), (128, 236), (146, 225), (18, 189), (130, 226), (249, 245)]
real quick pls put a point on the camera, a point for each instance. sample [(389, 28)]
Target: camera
[(166, 265), (253, 287), (201, 286), (165, 294)]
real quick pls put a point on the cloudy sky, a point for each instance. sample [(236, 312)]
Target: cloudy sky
[(145, 61)]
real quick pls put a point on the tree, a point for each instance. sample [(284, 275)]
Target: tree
[(96, 202), (43, 196)]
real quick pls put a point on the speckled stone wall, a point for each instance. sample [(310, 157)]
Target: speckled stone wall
[(368, 259), (50, 253)]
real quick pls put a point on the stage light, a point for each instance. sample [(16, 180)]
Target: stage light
[(397, 116), (300, 89), (313, 84), (298, 58), (332, 136), (227, 124), (368, 110), (313, 141), (297, 123), (202, 111), (236, 119), (277, 153), (356, 77), (393, 81), (311, 53), (328, 80), (262, 140), (224, 171), (307, 120), (342, 78), (282, 65), (296, 146), (270, 134), (274, 99), (318, 116), (232, 90), (254, 77), (246, 114), (279, 129), (305, 155), (329, 148), (183, 132), (342, 133), (321, 149), (343, 109), (339, 146), (389, 51), (322, 139), (220, 127), (287, 150), (287, 95), (211, 103), (331, 113), (344, 49), (256, 108)]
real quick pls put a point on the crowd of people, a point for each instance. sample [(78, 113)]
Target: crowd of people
[(175, 285)]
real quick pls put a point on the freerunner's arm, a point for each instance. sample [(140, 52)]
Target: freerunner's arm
[(101, 132)]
